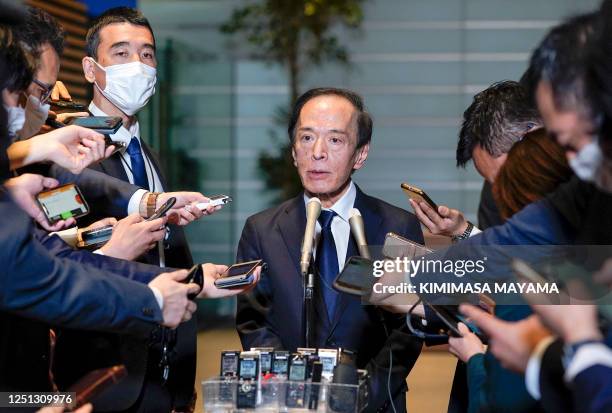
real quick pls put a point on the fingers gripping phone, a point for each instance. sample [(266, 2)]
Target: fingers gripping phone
[(63, 202), (195, 276), (418, 195), (239, 274), (216, 200)]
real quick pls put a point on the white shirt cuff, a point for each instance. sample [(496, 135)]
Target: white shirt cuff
[(587, 356), (68, 235), (474, 231), (532, 373), (99, 252), (134, 204), (158, 296)]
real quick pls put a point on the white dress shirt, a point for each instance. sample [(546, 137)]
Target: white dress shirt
[(341, 229)]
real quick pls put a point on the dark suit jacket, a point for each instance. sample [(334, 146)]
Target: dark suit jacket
[(39, 289), (144, 361), (271, 315)]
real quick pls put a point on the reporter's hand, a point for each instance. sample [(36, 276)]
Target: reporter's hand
[(446, 221), (133, 236), (65, 116), (212, 272), (104, 222), (573, 322), (60, 92), (466, 346), (184, 210), (177, 307), (71, 147), (24, 189), (511, 343)]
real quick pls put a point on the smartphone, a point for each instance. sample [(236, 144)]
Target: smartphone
[(118, 145), (68, 105), (106, 125), (248, 373), (162, 210), (316, 375), (95, 237), (296, 390), (195, 276), (239, 274), (396, 246), (215, 201), (280, 363), (356, 278), (418, 195), (63, 202), (95, 382)]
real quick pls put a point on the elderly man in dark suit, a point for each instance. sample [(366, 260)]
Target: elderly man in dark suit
[(331, 134)]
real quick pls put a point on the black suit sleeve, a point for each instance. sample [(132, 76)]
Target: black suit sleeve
[(252, 321), (106, 196), (60, 292)]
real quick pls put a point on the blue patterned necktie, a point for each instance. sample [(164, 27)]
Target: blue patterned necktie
[(327, 262), (138, 167)]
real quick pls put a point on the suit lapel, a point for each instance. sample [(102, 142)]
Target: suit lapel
[(114, 167), (371, 222)]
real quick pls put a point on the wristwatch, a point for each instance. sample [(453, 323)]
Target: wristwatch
[(570, 350), (466, 233)]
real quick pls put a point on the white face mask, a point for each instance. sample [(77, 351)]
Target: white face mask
[(129, 86), (35, 117), (587, 161), (16, 119)]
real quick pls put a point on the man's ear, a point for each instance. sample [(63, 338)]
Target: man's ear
[(360, 156), (89, 69)]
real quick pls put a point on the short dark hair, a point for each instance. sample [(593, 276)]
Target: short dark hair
[(40, 28), (498, 117), (112, 16), (20, 64), (561, 61), (364, 120)]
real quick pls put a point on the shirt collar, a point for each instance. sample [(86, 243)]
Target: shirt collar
[(123, 134), (343, 206)]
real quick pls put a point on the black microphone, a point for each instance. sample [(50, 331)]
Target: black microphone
[(358, 231), (313, 210)]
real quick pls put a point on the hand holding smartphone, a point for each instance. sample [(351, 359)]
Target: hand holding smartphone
[(239, 274)]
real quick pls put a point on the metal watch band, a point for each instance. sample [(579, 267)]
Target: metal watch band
[(466, 233)]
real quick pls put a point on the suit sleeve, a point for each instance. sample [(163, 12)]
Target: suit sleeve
[(251, 317), (133, 270), (60, 292), (106, 195)]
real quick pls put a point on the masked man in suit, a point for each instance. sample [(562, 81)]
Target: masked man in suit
[(330, 132)]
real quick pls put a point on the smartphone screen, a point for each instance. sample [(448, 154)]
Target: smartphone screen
[(63, 203), (101, 124)]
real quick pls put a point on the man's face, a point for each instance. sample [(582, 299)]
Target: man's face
[(324, 146), (47, 72), (569, 128), (121, 43), (487, 165)]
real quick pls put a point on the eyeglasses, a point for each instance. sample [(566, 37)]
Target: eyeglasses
[(46, 90)]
